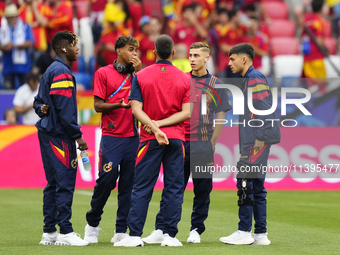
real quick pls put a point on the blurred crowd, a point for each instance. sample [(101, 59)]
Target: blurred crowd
[(27, 28)]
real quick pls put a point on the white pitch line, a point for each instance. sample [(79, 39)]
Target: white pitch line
[(84, 192)]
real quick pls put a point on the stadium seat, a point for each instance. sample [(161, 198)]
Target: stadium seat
[(265, 68), (281, 28), (86, 37), (284, 46), (331, 45), (75, 24), (330, 72), (277, 10), (83, 78), (81, 64), (288, 65), (92, 65)]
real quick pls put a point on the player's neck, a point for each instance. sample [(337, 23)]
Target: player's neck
[(68, 62), (245, 69), (168, 59), (200, 72)]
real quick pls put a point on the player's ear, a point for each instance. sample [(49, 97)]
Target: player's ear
[(244, 60), (173, 52), (118, 52), (154, 52), (207, 59)]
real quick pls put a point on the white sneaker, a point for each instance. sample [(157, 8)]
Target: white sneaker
[(170, 241), (72, 239), (261, 239), (155, 237), (238, 237), (91, 234), (118, 237), (49, 238), (194, 237), (130, 241)]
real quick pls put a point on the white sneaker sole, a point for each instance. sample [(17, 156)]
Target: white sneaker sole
[(65, 244), (171, 245), (151, 242), (262, 243), (238, 243), (90, 241), (129, 245), (193, 241), (46, 243)]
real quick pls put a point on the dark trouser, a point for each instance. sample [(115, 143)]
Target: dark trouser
[(59, 157), (259, 209), (114, 151), (10, 82), (200, 154), (149, 158)]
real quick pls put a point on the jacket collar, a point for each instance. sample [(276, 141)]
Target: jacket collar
[(163, 62), (251, 68), (63, 62), (202, 77)]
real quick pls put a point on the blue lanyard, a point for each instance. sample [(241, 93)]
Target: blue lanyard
[(119, 88)]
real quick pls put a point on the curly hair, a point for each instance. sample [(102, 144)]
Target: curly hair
[(122, 41)]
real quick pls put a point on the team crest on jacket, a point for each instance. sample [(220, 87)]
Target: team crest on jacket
[(74, 163), (107, 167)]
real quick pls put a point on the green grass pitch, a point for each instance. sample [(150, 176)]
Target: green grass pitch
[(299, 222)]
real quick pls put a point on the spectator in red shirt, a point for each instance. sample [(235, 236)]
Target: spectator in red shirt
[(314, 67), (257, 40), (233, 36), (189, 29), (105, 49), (137, 11), (35, 14), (60, 18), (95, 10), (147, 44), (218, 33)]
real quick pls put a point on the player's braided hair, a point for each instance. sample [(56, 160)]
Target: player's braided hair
[(61, 36), (122, 41)]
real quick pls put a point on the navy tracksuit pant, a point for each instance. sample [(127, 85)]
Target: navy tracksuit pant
[(114, 151), (196, 154), (259, 209), (149, 158), (59, 158)]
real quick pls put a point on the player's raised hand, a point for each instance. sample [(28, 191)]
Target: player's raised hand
[(161, 138), (136, 62), (124, 105)]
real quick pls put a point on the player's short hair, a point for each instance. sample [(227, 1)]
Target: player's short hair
[(243, 48), (200, 45), (62, 36), (164, 46), (317, 5), (122, 41)]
